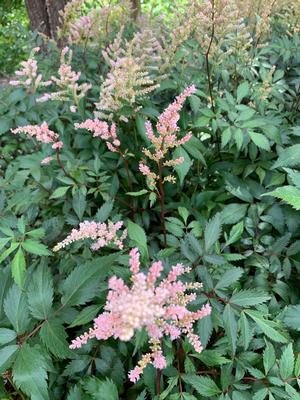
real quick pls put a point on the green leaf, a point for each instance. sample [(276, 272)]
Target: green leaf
[(230, 326), (86, 315), (292, 317), (29, 372), (5, 125), (139, 193), (59, 192), (16, 309), (6, 336), (235, 233), (289, 194), (40, 292), (286, 362), (289, 157), (260, 140), (245, 331), (249, 297), (101, 390), (242, 91), (34, 247), (267, 328), (8, 251), (211, 358), (3, 242), (6, 356), (104, 211), (137, 234), (297, 366), (229, 278), (233, 213), (202, 384), (83, 282), (18, 267), (54, 336), (269, 357), (79, 203), (183, 168), (212, 231), (226, 136), (261, 394)]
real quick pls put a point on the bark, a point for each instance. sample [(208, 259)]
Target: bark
[(136, 6), (44, 15)]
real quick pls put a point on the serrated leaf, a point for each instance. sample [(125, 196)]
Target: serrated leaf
[(203, 385), (230, 277), (86, 315), (18, 267), (139, 193), (6, 336), (16, 309), (286, 362), (242, 91), (292, 317), (101, 390), (204, 329), (82, 283), (289, 157), (230, 326), (211, 358), (54, 336), (8, 251), (59, 192), (7, 354), (29, 372), (249, 297), (245, 331), (104, 211), (183, 168), (269, 357), (79, 203), (137, 234), (34, 247), (260, 140), (261, 394), (212, 231), (40, 292), (267, 327), (289, 194), (235, 233)]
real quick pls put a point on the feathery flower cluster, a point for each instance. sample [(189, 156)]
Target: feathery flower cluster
[(103, 234), (166, 139), (101, 129), (41, 133), (28, 75), (159, 308), (67, 82), (130, 78)]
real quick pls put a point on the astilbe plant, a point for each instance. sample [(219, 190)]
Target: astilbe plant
[(28, 76), (69, 88), (103, 235), (158, 307), (162, 145)]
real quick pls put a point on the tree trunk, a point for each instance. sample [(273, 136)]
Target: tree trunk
[(136, 6), (44, 15)]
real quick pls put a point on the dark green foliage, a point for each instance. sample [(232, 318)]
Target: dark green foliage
[(231, 216)]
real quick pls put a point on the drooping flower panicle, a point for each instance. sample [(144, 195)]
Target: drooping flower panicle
[(103, 234), (41, 133), (67, 82), (103, 130), (28, 76), (166, 139), (159, 308)]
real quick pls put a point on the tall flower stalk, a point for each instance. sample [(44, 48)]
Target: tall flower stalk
[(162, 144)]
